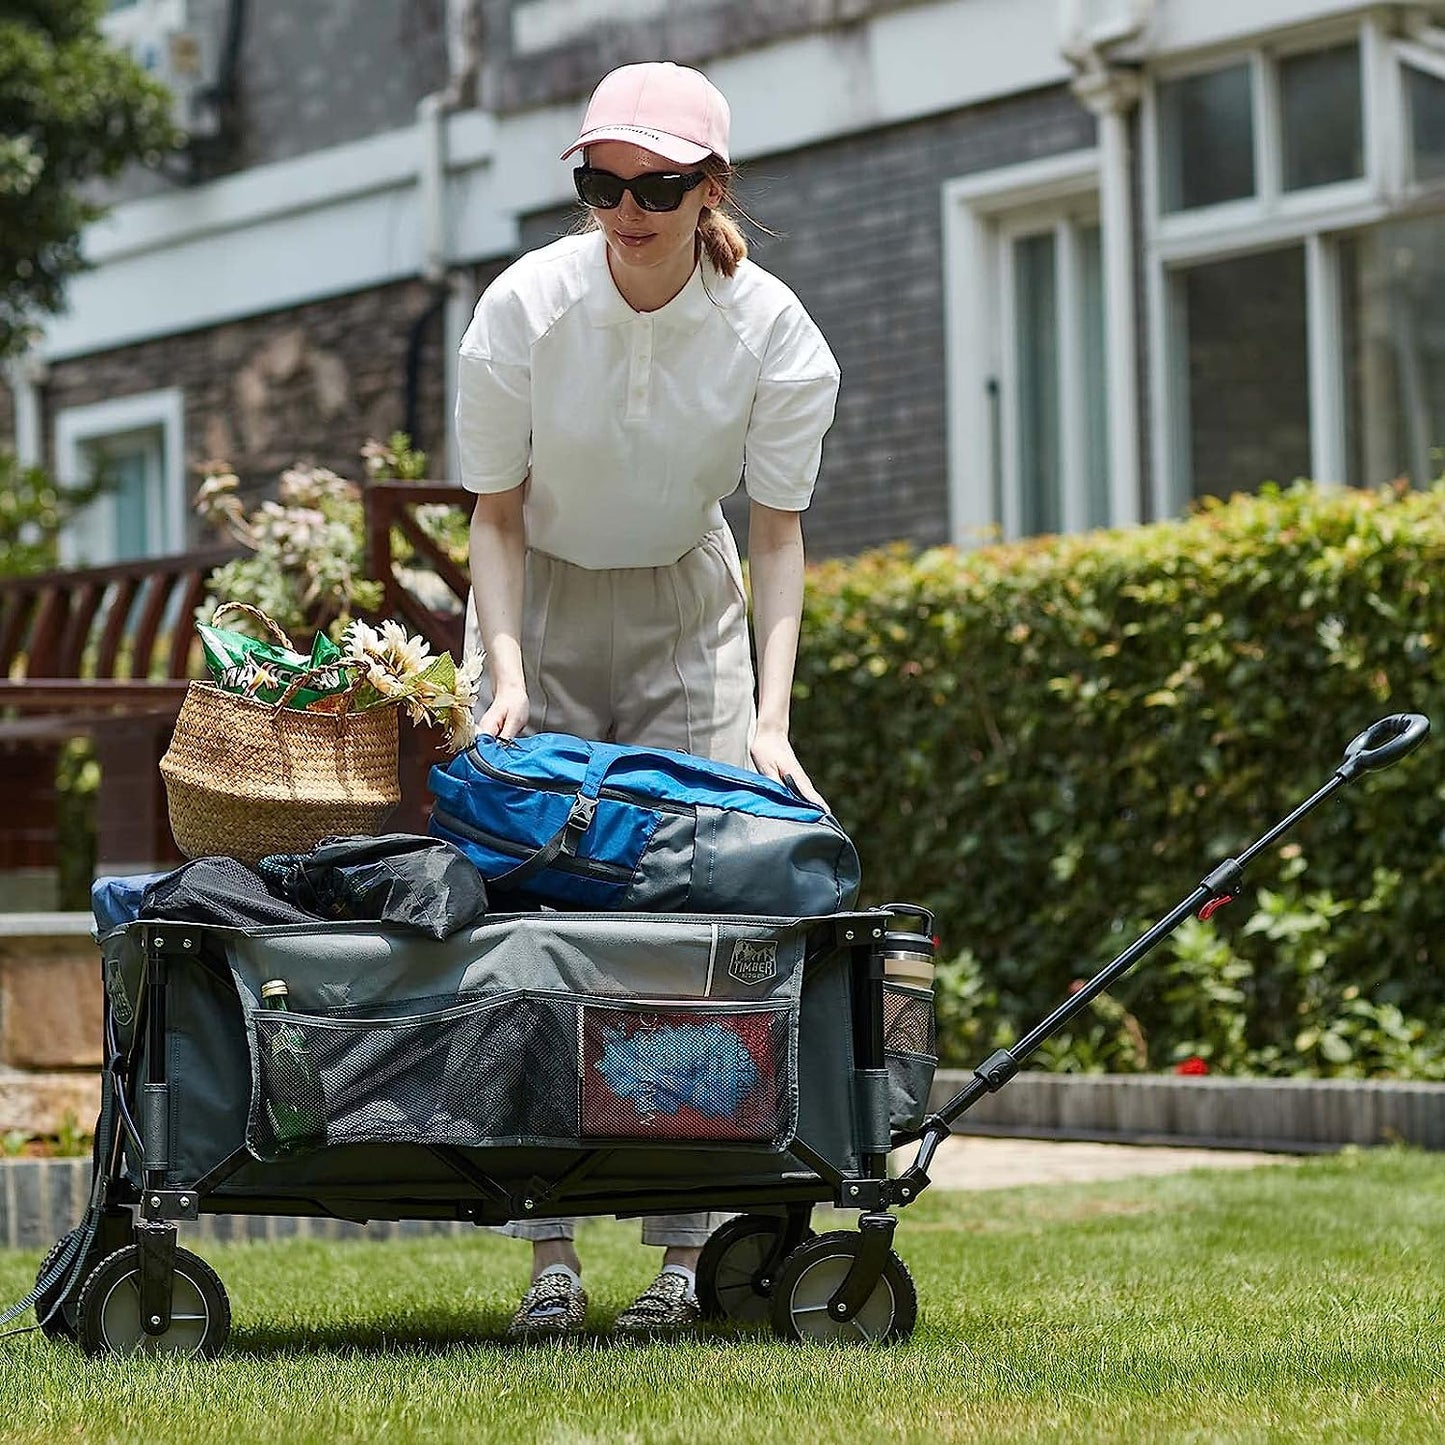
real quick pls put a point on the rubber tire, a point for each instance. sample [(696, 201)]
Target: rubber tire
[(57, 1327), (108, 1312), (814, 1270), (727, 1264)]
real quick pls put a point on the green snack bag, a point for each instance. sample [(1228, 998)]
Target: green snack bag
[(262, 670)]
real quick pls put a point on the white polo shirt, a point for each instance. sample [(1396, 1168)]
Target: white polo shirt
[(632, 425)]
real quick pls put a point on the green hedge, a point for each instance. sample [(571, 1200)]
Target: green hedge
[(1050, 743)]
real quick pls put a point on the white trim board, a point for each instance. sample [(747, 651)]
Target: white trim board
[(970, 206), (75, 426)]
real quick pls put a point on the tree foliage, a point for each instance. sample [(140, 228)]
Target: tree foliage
[(73, 110), (33, 509)]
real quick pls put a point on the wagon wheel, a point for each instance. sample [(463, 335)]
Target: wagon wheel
[(810, 1275), (729, 1284), (53, 1323), (108, 1318)]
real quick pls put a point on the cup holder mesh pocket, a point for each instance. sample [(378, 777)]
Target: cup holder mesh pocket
[(910, 1047)]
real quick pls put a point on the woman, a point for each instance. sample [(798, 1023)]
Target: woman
[(613, 388)]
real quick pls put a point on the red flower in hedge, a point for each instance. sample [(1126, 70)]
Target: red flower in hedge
[(1192, 1065)]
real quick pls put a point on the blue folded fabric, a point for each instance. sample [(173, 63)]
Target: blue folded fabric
[(115, 901), (706, 1067)]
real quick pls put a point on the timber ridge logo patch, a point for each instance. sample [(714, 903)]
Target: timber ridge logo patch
[(754, 962)]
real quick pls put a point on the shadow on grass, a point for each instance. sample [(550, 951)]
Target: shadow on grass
[(378, 1338)]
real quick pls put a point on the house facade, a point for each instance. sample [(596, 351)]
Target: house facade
[(1081, 261)]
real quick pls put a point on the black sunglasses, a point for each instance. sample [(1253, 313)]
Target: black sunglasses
[(654, 191)]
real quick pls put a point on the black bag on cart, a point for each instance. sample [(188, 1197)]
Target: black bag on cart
[(402, 879)]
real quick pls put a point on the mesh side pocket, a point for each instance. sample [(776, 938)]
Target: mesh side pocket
[(686, 1074), (450, 1076), (910, 1047)]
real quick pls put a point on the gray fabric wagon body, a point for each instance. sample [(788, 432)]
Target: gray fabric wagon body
[(537, 1064)]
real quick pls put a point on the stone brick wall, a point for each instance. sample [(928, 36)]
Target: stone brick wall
[(859, 238), (310, 75), (312, 382), (315, 75), (686, 33)]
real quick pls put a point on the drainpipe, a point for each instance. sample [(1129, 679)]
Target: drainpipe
[(26, 376), (1111, 94), (448, 292)]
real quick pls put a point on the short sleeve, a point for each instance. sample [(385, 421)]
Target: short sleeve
[(793, 408), (494, 396)]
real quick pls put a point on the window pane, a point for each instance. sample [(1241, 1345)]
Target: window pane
[(1426, 97), (130, 466), (1096, 395), (1206, 138), (1323, 131), (1248, 372), (1037, 342), (128, 471), (1394, 281)]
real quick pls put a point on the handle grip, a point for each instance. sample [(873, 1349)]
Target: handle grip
[(1383, 743)]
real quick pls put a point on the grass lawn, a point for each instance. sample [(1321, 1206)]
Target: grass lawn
[(1294, 1303)]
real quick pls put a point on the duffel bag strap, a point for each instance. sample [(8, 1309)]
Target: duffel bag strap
[(568, 838)]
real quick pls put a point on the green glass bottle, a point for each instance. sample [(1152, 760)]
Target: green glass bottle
[(295, 1103)]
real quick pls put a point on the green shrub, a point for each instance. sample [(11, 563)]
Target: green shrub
[(1051, 742)]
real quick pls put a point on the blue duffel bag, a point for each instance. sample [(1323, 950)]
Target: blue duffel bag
[(557, 821)]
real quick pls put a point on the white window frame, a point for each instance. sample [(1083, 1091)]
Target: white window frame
[(978, 216), (1316, 218), (80, 428)]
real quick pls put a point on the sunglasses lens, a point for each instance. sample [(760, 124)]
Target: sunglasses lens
[(598, 188), (659, 193)]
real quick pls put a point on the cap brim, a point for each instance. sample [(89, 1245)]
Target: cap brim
[(673, 148)]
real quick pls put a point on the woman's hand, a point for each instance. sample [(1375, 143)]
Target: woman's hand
[(773, 756), (507, 715)]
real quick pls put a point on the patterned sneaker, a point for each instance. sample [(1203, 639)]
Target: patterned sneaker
[(555, 1306), (667, 1306)]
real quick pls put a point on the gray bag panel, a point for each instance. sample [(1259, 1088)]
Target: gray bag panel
[(750, 859), (663, 877)]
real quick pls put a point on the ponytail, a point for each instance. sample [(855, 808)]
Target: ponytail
[(722, 239), (719, 233)]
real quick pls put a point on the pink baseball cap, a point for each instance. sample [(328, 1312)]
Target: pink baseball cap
[(667, 108)]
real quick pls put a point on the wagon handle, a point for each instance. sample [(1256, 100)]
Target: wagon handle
[(1383, 743)]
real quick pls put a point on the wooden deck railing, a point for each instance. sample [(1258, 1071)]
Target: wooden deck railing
[(391, 508), (104, 653)]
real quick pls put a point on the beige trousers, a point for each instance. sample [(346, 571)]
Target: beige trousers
[(653, 656)]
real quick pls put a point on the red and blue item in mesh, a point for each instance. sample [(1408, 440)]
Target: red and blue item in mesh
[(681, 1074)]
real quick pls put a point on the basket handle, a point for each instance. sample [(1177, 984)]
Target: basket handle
[(272, 627), (299, 682)]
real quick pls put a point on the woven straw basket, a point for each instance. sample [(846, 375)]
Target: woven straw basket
[(244, 778)]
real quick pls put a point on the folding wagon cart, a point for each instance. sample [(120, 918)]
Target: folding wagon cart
[(540, 1065)]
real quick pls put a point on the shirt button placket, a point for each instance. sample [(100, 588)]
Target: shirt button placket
[(640, 378)]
